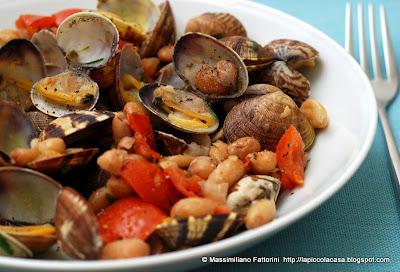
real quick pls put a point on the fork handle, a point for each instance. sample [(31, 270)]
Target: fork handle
[(391, 144)]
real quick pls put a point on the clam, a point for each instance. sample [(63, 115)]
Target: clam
[(295, 53), (39, 120), (169, 144), (180, 233), (105, 76), (177, 142), (79, 126), (167, 75), (218, 25), (27, 206), (65, 93), (266, 118), (21, 65), (251, 188), (129, 77), (9, 246), (76, 226), (162, 34), (16, 130), (211, 69), (252, 53), (54, 58), (180, 109), (84, 47), (290, 81)]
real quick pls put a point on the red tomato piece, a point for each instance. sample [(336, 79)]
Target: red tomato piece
[(62, 14), (149, 182), (222, 209), (290, 158), (34, 23), (186, 184), (141, 123), (141, 147), (122, 43), (129, 218)]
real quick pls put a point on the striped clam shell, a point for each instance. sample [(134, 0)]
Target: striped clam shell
[(192, 231)]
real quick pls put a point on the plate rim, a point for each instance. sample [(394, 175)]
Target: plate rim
[(242, 240)]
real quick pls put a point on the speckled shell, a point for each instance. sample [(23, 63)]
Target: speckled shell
[(162, 34), (187, 232), (266, 118), (76, 126), (39, 120), (294, 53), (65, 162), (218, 25), (169, 144), (76, 226), (290, 81)]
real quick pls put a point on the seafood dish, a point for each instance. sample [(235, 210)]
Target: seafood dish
[(136, 140)]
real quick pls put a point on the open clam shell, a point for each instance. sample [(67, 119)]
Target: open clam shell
[(78, 126), (251, 188), (180, 109), (168, 76), (39, 120), (89, 40), (21, 65), (53, 56), (266, 118), (16, 130), (9, 246), (65, 93), (186, 232), (195, 51)]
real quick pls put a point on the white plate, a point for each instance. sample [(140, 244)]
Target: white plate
[(338, 83)]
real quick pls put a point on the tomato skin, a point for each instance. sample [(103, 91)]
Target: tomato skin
[(122, 43), (62, 14), (149, 182), (141, 147), (189, 186), (291, 159), (129, 218), (34, 23), (141, 123)]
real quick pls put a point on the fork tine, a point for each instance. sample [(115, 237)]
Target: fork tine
[(376, 65), (361, 40), (348, 33), (390, 65)]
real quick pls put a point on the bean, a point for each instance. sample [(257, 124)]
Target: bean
[(164, 164), (261, 163), (315, 113), (100, 199), (214, 191), (7, 35), (123, 249), (219, 151), (126, 143), (35, 143), (112, 161), (165, 53), (182, 161), (243, 146), (120, 127), (260, 213), (133, 107), (134, 157), (193, 206), (118, 188), (229, 171), (202, 166), (23, 156), (52, 144)]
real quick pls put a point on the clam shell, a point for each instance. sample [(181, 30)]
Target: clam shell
[(21, 65), (39, 120), (9, 246), (168, 76), (169, 144), (187, 232), (77, 126), (266, 118), (16, 130), (194, 50), (65, 162), (83, 46), (251, 188), (53, 56), (105, 76), (27, 196), (218, 25), (76, 226), (162, 34), (290, 81)]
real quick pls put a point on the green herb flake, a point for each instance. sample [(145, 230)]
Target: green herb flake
[(5, 246), (94, 61)]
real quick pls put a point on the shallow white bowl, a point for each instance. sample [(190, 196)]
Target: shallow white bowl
[(337, 82)]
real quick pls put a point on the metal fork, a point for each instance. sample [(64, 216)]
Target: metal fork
[(385, 89)]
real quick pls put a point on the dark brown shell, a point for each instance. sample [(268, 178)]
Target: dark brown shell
[(266, 118), (169, 144), (294, 53), (218, 25), (187, 232), (290, 81), (105, 76), (76, 226), (73, 158), (162, 34), (39, 120)]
